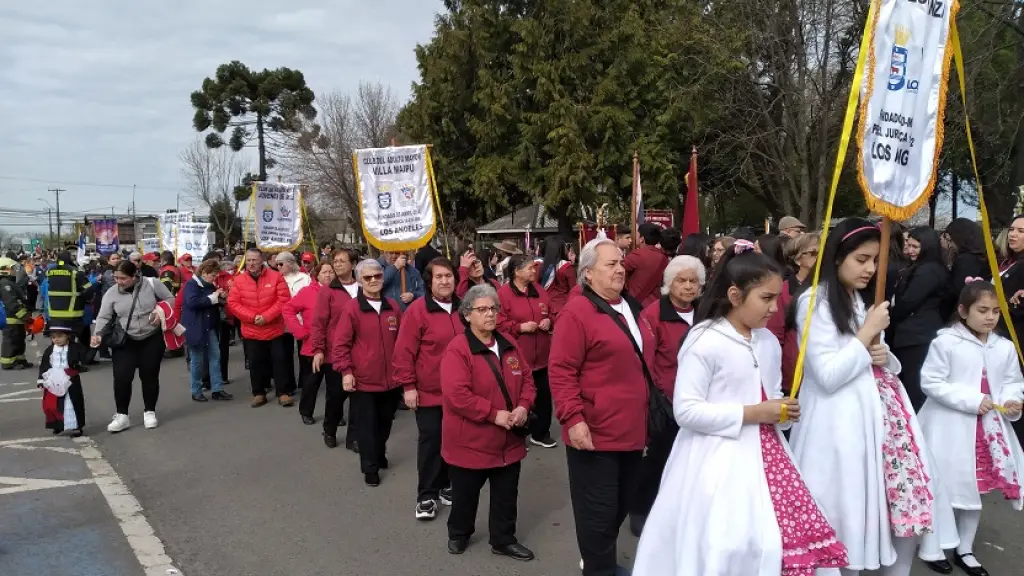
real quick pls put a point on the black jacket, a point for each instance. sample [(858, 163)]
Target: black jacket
[(964, 266), (1013, 280), (917, 314)]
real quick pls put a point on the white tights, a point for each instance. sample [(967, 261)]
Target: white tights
[(905, 552), (967, 522)]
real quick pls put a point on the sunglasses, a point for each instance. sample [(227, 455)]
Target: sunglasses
[(372, 277)]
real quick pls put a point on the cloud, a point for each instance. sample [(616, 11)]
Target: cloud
[(100, 92)]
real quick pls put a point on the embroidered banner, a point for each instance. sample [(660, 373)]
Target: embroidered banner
[(167, 226), (105, 232), (193, 239), (278, 215), (396, 199)]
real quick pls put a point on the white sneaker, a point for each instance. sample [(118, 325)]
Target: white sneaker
[(119, 423), (149, 420), (426, 510)]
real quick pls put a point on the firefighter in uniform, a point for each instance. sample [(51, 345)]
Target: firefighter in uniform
[(170, 274), (12, 349), (67, 291)]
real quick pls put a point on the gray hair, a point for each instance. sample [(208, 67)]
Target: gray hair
[(135, 256), (285, 257), (365, 264), (679, 264), (588, 257), (475, 293)]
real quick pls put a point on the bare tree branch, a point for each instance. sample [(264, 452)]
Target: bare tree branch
[(210, 178)]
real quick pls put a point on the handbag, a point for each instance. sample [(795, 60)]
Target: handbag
[(661, 421), (116, 336), (520, 431)]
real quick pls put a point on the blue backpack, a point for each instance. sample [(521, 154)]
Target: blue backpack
[(3, 316)]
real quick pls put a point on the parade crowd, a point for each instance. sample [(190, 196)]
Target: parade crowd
[(666, 364)]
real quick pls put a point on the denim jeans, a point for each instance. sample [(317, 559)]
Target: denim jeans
[(199, 356)]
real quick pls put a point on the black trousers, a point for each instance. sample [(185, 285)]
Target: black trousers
[(373, 414), (541, 427), (305, 369), (144, 357), (431, 469), (267, 362), (12, 349), (912, 359), (601, 485), (289, 347), (651, 468), (501, 520), (77, 397), (334, 400)]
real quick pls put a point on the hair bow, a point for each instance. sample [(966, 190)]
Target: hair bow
[(970, 279), (741, 246)]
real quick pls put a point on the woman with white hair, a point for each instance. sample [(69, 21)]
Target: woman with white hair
[(596, 372), (363, 353), (669, 318)]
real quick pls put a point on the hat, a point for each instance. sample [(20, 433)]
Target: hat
[(790, 222), (186, 257), (7, 265), (508, 247), (151, 257), (307, 257), (60, 328)]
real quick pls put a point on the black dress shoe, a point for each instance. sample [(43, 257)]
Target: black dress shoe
[(515, 551), (372, 479), (76, 433), (330, 440), (199, 398), (308, 420), (221, 396), (958, 559), (457, 545), (940, 566)]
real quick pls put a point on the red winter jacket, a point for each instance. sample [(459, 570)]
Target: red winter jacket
[(787, 338), (364, 343), (645, 268), (425, 333), (595, 376), (330, 302), (472, 399), (465, 283), (662, 318), (518, 308), (264, 296), (298, 315), (564, 282)]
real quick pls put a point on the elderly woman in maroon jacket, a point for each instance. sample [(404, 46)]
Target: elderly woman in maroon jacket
[(428, 325), (363, 353), (526, 314), (487, 391), (600, 395)]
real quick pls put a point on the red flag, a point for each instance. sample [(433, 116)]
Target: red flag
[(691, 212)]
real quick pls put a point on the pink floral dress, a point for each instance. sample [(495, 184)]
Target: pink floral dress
[(995, 466), (906, 484), (808, 540)]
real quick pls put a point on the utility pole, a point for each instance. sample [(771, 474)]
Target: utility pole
[(57, 192), (49, 217)]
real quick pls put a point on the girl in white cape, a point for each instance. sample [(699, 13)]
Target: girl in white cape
[(859, 444), (974, 387), (731, 501)]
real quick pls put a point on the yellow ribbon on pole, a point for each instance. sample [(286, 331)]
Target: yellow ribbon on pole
[(437, 204)]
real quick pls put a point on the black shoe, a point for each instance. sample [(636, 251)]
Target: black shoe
[(7, 367), (221, 395), (445, 496), (330, 440), (515, 551), (76, 433), (457, 545), (199, 398), (958, 559), (24, 364), (353, 446), (940, 566), (372, 479), (83, 368), (384, 464), (546, 442), (308, 420)]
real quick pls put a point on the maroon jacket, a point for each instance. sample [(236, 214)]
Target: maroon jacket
[(662, 318), (330, 302), (530, 306), (645, 268), (465, 283), (595, 376), (564, 282), (425, 333), (472, 399), (364, 343)]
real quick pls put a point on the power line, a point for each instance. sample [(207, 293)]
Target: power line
[(86, 184)]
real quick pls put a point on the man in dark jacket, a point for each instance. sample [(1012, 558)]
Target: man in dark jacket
[(12, 350), (645, 265)]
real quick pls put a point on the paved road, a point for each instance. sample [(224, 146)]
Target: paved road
[(235, 491)]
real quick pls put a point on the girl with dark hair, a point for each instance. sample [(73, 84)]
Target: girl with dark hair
[(1012, 273), (975, 389), (698, 246), (852, 444), (557, 272), (917, 313), (772, 246), (964, 243), (756, 515)]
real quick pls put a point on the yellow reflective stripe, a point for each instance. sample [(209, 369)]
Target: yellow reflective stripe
[(11, 321), (61, 293), (21, 313), (67, 313), (87, 286)]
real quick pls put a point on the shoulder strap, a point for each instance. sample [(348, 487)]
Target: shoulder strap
[(500, 379), (135, 299), (606, 308)]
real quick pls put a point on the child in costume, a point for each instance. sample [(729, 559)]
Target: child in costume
[(63, 398)]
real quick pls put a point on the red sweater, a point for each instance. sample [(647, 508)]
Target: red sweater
[(530, 306), (364, 343), (787, 338), (298, 315), (645, 268), (595, 376), (264, 296), (662, 318), (472, 399), (425, 333), (465, 283), (330, 302), (565, 281)]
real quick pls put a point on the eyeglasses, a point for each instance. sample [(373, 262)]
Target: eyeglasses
[(373, 277), (486, 309), (811, 252)]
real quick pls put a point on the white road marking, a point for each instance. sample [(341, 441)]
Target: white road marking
[(9, 400), (147, 547), (50, 448), (30, 484), (19, 393), (17, 383)]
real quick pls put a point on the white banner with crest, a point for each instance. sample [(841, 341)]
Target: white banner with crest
[(396, 200), (278, 215), (902, 103), (167, 226), (193, 239)]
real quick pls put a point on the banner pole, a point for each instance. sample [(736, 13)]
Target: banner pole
[(636, 180)]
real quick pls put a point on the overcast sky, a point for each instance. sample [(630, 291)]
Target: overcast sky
[(98, 92)]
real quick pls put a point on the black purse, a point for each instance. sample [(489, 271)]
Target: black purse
[(520, 431), (115, 336), (661, 421)]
